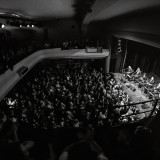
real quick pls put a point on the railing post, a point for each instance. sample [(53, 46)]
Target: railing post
[(153, 108)]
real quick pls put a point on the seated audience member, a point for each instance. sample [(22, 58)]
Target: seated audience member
[(141, 144), (10, 145), (86, 148), (121, 147), (10, 55), (43, 151)]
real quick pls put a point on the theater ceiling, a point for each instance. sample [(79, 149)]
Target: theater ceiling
[(82, 10)]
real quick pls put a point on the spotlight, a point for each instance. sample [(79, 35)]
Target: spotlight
[(28, 25), (20, 26), (33, 26), (2, 26)]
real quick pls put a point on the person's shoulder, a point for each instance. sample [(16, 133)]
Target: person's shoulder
[(64, 156), (69, 147)]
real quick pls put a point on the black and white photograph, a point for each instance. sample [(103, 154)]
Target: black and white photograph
[(80, 79)]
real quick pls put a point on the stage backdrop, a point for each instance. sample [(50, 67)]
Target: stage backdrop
[(143, 56)]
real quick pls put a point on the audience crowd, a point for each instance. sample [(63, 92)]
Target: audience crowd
[(81, 44), (69, 96), (62, 96), (9, 56), (12, 146)]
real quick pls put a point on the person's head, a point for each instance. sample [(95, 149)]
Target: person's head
[(142, 132), (81, 132), (142, 138), (82, 151)]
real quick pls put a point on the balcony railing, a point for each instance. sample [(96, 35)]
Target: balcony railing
[(151, 111)]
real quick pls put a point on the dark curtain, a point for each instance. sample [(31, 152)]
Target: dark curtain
[(117, 58), (143, 56), (157, 64)]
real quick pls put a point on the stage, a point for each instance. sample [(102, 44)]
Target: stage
[(135, 96)]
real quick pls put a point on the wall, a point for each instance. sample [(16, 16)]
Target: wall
[(141, 22), (60, 30)]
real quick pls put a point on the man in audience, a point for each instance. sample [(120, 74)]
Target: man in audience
[(141, 144), (86, 148)]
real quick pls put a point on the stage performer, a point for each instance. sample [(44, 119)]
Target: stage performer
[(152, 80), (144, 76), (130, 70), (158, 87), (138, 71)]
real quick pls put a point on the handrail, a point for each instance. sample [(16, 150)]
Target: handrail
[(140, 103), (132, 104), (155, 105), (137, 113)]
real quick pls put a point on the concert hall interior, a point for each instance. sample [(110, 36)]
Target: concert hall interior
[(80, 79)]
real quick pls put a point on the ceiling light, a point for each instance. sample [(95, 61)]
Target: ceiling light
[(15, 15), (20, 26), (28, 25), (33, 26), (2, 26)]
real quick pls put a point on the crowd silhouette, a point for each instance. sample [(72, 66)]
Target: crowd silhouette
[(69, 96)]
